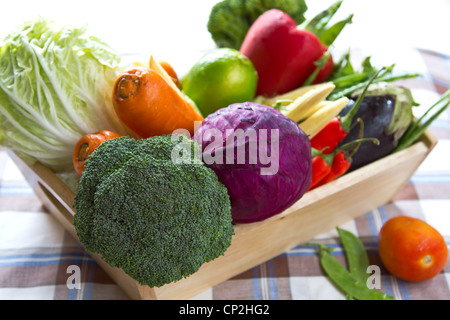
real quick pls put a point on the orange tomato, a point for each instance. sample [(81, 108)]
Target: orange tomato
[(411, 249), (149, 105), (86, 145)]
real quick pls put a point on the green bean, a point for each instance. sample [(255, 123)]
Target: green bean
[(357, 258), (344, 280)]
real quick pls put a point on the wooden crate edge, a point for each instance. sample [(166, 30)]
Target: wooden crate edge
[(37, 174)]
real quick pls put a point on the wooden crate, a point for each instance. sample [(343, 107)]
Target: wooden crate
[(318, 211)]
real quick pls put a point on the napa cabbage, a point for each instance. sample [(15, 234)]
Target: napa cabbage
[(55, 86)]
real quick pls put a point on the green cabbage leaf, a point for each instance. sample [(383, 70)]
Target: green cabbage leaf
[(55, 86)]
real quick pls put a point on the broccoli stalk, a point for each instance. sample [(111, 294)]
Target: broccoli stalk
[(229, 20), (157, 219)]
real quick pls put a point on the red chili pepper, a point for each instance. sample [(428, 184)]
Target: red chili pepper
[(339, 127), (283, 54), (330, 136), (328, 167), (321, 167), (341, 163), (342, 159)]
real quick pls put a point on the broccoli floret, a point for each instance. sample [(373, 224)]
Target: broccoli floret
[(229, 20), (156, 219)]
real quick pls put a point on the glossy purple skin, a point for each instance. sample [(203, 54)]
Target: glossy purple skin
[(254, 196)]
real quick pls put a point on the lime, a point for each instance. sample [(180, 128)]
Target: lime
[(219, 78)]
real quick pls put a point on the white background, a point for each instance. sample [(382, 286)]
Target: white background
[(175, 30)]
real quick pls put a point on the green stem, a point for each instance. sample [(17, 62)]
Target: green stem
[(356, 141), (340, 65), (328, 158), (352, 152), (328, 36), (416, 124), (417, 128), (320, 64), (318, 23), (346, 120), (342, 92), (349, 79)]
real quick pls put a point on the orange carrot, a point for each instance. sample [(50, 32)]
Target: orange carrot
[(86, 145), (171, 72), (149, 105)]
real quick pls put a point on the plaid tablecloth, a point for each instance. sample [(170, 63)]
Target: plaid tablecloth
[(36, 251)]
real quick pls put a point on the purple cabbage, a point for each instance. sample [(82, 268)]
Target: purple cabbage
[(260, 155)]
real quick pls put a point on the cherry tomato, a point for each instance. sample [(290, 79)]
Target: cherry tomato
[(411, 249)]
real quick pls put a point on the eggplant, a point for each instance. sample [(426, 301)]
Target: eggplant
[(386, 112)]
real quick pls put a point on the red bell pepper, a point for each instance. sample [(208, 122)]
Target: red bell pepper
[(282, 54), (287, 55)]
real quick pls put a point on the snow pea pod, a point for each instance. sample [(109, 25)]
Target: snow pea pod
[(357, 258), (344, 280)]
